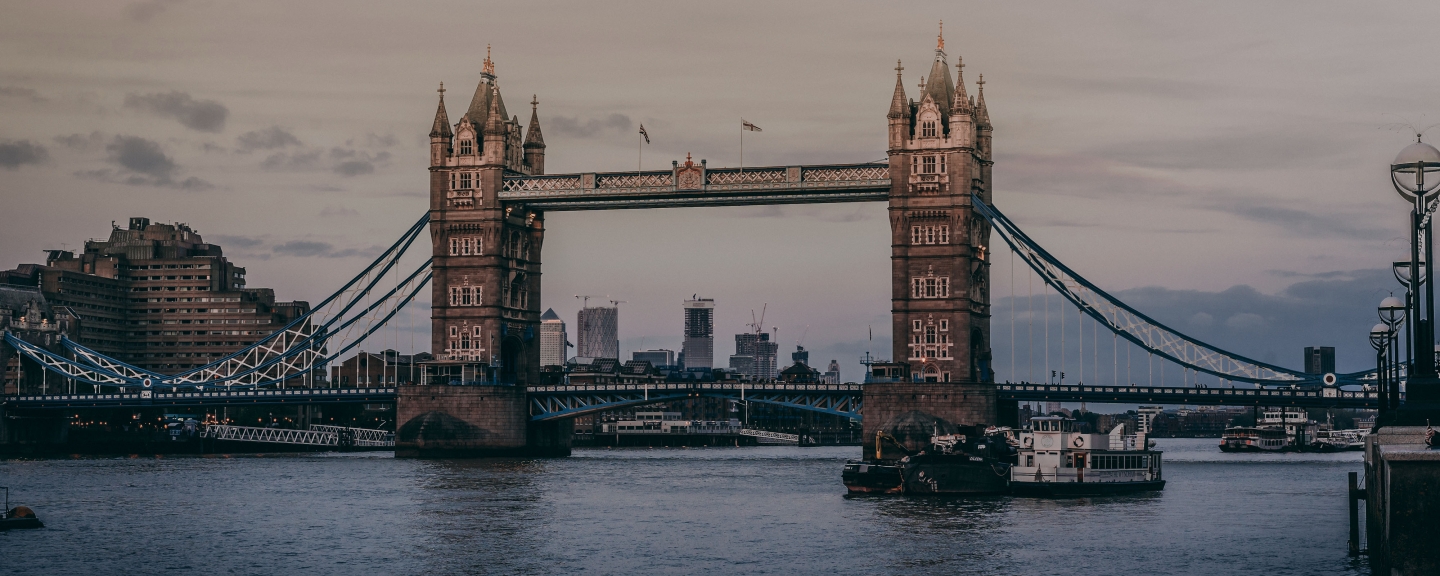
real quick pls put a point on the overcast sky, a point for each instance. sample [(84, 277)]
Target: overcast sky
[(1222, 164)]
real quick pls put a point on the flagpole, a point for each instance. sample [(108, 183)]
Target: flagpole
[(742, 145), (639, 153)]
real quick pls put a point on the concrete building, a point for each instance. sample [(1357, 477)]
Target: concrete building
[(598, 333), (156, 296), (657, 357), (761, 350), (1319, 359), (800, 355), (699, 345), (554, 342)]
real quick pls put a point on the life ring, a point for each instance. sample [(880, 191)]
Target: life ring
[(1029, 440), (1079, 441)]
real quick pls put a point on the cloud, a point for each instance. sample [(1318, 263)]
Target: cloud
[(290, 161), (329, 211), (267, 139), (355, 163), (15, 153), (1132, 85), (142, 162), (1261, 151), (91, 141), (316, 249), (144, 11), (19, 93), (237, 241), (571, 126), (202, 115), (1295, 220)]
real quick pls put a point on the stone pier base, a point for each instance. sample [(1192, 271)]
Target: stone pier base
[(886, 405), (472, 422), (1402, 502)]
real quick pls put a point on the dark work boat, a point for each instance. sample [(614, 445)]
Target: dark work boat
[(872, 477), (960, 464), (1056, 461), (17, 517)]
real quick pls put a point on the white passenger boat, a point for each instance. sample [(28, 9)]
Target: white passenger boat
[(1055, 460)]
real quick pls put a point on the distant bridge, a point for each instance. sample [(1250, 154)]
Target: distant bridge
[(708, 187), (1327, 397)]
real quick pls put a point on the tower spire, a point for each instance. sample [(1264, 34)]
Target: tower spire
[(940, 42), (533, 138), (897, 102), (489, 66), (441, 128), (981, 113), (962, 100)]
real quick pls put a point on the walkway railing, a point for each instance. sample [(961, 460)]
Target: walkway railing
[(317, 435), (768, 437)]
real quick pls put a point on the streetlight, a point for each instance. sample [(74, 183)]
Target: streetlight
[(1415, 173), (1380, 341)]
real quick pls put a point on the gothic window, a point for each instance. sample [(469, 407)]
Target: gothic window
[(477, 331), (930, 234), (464, 295), (454, 331), (930, 287), (931, 337), (466, 179), (916, 325), (465, 246), (945, 234), (916, 234), (927, 129), (942, 163), (927, 165), (944, 325), (467, 146)]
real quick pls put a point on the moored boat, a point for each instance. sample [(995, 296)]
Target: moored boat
[(974, 464), (1055, 460)]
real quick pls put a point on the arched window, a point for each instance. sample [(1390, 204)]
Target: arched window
[(467, 146), (927, 129)]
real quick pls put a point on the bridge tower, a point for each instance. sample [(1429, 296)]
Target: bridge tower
[(939, 153), (485, 293)]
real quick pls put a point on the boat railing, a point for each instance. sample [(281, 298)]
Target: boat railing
[(1032, 474)]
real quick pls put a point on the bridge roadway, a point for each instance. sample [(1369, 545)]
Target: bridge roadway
[(1327, 397), (565, 401)]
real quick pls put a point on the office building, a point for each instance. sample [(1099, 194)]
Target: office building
[(1319, 359), (832, 374), (699, 345), (553, 340), (598, 333), (658, 357), (759, 347), (800, 355)]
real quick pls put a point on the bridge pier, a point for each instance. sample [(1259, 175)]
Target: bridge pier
[(893, 407), (438, 421)]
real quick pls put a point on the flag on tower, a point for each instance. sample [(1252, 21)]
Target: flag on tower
[(644, 134), (745, 124)]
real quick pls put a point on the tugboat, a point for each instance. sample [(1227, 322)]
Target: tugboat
[(878, 476), (1056, 461), (17, 517), (973, 464)]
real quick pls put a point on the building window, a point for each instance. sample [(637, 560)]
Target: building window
[(930, 234), (927, 165), (465, 246), (466, 180), (930, 336), (916, 325), (930, 287), (944, 325), (454, 331), (467, 146), (465, 295), (927, 129)]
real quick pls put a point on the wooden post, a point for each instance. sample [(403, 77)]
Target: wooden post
[(1354, 515)]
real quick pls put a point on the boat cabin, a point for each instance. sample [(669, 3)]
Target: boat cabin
[(1053, 450)]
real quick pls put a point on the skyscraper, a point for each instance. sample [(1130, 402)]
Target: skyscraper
[(598, 333), (761, 349), (832, 374), (553, 339), (699, 345)]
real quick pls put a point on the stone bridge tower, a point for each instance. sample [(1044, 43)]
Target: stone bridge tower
[(939, 151), (485, 294)]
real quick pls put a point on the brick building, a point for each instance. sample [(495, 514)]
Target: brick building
[(156, 296)]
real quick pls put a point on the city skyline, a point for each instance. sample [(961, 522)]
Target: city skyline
[(162, 136)]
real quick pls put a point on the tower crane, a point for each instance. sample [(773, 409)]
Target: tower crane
[(585, 299)]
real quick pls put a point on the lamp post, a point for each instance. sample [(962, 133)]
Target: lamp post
[(1415, 173), (1380, 341), (1392, 312)]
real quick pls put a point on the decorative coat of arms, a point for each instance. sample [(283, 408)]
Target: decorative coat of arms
[(689, 176)]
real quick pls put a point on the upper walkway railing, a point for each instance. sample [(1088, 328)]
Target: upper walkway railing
[(1172, 395), (698, 186)]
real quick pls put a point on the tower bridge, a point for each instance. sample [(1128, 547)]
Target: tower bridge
[(489, 196)]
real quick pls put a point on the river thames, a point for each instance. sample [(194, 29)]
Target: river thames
[(762, 510)]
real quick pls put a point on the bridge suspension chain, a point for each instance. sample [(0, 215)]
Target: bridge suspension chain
[(1130, 324)]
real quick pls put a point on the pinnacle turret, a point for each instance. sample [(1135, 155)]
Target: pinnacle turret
[(897, 102), (962, 100), (981, 114), (441, 128), (533, 137)]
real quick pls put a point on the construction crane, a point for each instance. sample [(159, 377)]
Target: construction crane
[(617, 303), (758, 326), (585, 299)]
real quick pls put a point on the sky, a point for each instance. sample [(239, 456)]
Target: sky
[(1219, 165)]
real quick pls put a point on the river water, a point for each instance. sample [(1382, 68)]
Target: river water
[(759, 510)]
